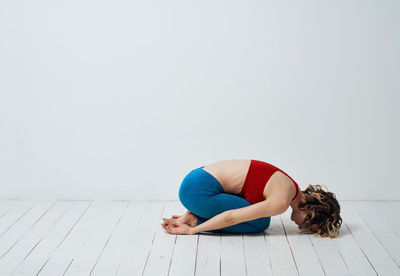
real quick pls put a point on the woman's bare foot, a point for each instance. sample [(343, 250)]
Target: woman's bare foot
[(188, 218), (181, 216), (191, 220)]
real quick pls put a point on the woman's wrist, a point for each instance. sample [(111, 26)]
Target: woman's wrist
[(193, 230)]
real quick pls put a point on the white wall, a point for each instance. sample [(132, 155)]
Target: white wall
[(121, 99)]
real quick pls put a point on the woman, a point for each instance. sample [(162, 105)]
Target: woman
[(241, 196)]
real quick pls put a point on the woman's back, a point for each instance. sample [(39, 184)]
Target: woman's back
[(249, 178), (230, 173)]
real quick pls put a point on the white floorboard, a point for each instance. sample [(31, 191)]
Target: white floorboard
[(184, 253), (27, 242), (160, 255), (208, 259), (117, 249), (126, 238), (329, 256), (376, 253), (21, 227), (307, 260), (87, 256), (381, 230), (38, 257), (232, 255), (13, 212), (137, 246), (279, 251), (256, 254), (356, 261), (389, 212)]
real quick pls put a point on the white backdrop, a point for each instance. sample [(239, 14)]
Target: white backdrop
[(121, 99)]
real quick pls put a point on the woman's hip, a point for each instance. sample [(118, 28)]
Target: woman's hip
[(199, 183)]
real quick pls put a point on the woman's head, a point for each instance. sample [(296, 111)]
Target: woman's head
[(319, 213)]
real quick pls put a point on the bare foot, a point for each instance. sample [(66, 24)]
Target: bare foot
[(188, 218), (181, 216), (191, 220)]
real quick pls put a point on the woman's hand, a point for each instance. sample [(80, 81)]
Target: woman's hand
[(178, 228)]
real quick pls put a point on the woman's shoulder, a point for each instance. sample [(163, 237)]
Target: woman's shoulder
[(280, 185)]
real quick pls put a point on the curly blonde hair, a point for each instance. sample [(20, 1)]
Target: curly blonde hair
[(323, 212)]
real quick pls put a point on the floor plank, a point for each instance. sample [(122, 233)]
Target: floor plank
[(304, 253), (138, 244), (15, 210), (36, 259), (114, 252), (5, 207), (375, 252), (23, 224), (87, 256), (10, 261), (208, 254), (70, 247), (381, 230), (161, 251), (282, 260), (256, 254), (388, 211), (331, 259), (232, 255), (184, 255), (356, 261)]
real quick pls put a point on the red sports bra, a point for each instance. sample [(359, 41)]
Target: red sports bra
[(257, 177)]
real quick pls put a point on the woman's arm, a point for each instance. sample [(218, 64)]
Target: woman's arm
[(219, 221), (266, 208)]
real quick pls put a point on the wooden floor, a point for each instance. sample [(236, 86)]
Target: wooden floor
[(126, 238)]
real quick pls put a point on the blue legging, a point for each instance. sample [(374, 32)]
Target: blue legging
[(203, 195)]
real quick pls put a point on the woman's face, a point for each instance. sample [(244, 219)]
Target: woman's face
[(298, 216)]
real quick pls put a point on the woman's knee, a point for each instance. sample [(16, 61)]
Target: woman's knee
[(262, 224), (188, 197), (184, 195), (266, 222)]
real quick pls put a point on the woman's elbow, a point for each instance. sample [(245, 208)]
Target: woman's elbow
[(284, 208), (279, 207)]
